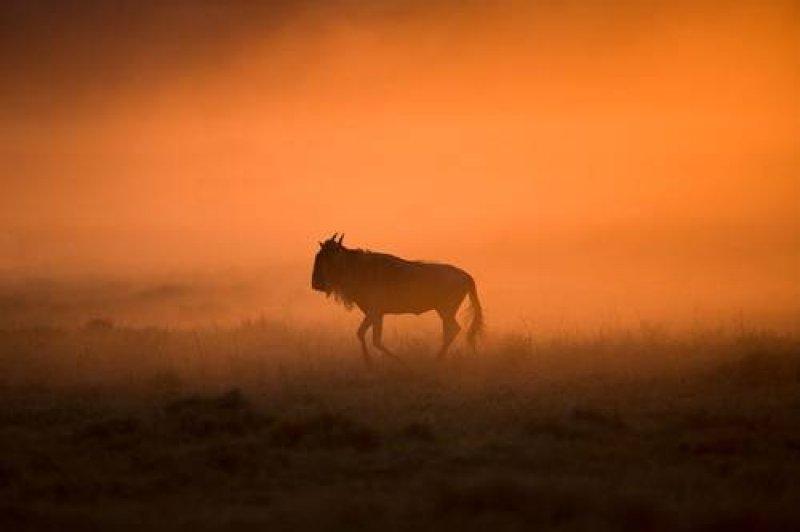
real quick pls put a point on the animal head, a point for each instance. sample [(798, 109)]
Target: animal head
[(328, 264)]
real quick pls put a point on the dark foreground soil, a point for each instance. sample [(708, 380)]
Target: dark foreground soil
[(510, 439)]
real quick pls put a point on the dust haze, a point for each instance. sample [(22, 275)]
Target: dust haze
[(621, 180), (589, 164)]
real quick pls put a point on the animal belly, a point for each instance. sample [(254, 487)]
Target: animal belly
[(408, 299)]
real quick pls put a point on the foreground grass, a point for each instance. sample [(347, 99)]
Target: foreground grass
[(261, 426)]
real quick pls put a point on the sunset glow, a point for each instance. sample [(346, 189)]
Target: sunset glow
[(587, 163), (378, 265)]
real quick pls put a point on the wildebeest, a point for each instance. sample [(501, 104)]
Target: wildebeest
[(380, 284)]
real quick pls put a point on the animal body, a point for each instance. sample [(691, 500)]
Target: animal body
[(380, 284)]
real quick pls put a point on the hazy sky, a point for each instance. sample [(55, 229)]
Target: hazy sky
[(621, 154)]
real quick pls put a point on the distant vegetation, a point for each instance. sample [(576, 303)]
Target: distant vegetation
[(263, 425), (60, 302)]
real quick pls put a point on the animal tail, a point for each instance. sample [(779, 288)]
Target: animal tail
[(476, 326)]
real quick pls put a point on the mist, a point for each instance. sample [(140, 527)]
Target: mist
[(589, 165), (617, 184)]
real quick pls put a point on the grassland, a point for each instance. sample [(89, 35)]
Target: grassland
[(267, 427)]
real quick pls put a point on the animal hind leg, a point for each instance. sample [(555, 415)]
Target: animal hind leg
[(450, 329), (361, 333)]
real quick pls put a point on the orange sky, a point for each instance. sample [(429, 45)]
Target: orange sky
[(578, 157)]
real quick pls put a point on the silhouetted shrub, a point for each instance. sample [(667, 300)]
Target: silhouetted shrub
[(599, 419), (206, 416), (418, 431), (554, 428), (324, 431), (232, 459), (533, 505), (717, 441), (117, 433), (493, 495), (98, 325)]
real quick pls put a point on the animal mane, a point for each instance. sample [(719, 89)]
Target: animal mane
[(340, 296), (339, 290)]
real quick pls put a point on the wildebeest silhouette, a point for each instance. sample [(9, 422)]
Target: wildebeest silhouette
[(380, 284)]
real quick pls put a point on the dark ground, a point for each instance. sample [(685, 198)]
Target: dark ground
[(264, 428)]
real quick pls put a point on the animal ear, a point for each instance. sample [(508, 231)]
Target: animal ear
[(334, 236), (341, 238)]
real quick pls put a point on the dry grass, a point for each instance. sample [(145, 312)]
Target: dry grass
[(262, 426)]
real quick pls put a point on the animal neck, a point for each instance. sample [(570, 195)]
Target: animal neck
[(343, 288)]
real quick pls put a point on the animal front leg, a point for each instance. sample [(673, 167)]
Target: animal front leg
[(377, 331), (362, 331)]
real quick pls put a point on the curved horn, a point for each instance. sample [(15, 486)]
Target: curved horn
[(341, 238)]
